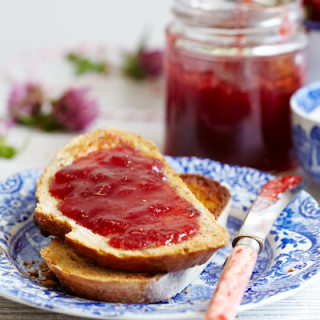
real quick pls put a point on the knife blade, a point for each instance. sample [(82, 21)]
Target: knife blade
[(270, 202)]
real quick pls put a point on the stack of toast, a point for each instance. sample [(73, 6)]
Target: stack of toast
[(88, 264)]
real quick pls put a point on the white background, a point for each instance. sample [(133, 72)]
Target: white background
[(25, 25), (115, 22)]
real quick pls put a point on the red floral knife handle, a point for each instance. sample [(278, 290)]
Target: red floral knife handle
[(233, 282), (272, 199)]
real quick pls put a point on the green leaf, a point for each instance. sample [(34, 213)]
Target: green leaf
[(47, 123), (132, 68), (83, 65), (5, 150), (44, 121), (28, 120), (51, 126)]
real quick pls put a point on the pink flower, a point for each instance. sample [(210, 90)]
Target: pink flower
[(143, 64), (151, 62), (75, 110), (25, 99)]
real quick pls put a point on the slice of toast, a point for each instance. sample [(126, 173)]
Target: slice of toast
[(89, 280), (86, 243)]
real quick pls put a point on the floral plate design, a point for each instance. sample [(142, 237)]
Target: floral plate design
[(291, 258), (305, 106)]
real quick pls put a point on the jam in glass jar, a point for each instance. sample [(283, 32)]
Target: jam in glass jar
[(231, 68)]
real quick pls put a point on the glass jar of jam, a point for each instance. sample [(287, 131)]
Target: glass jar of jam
[(231, 67)]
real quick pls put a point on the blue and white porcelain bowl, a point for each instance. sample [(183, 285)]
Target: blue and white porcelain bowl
[(305, 117)]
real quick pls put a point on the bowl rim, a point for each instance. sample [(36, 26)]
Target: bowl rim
[(294, 106)]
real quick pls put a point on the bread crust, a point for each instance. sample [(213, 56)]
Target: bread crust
[(85, 243), (211, 193), (95, 282)]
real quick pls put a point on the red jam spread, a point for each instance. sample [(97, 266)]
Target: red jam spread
[(274, 188), (232, 109), (122, 194)]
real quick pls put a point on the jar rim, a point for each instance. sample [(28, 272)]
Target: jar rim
[(243, 14)]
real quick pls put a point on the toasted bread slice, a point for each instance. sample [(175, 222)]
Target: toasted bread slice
[(86, 243), (89, 280), (210, 192)]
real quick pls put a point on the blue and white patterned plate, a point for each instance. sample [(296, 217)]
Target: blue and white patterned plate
[(290, 260), (305, 124)]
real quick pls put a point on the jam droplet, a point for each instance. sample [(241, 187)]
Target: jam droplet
[(122, 194)]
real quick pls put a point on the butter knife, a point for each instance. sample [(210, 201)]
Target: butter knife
[(270, 202)]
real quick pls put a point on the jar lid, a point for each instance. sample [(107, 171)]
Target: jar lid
[(238, 13)]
